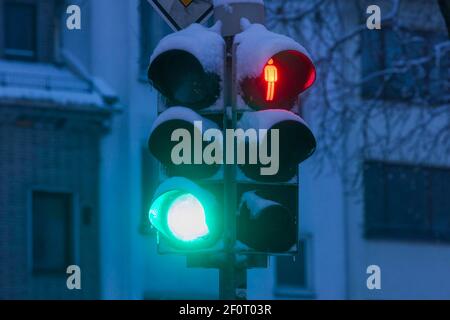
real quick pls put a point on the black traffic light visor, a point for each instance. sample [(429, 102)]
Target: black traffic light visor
[(265, 225), (162, 142), (296, 142), (180, 77)]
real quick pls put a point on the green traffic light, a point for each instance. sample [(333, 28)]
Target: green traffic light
[(187, 219)]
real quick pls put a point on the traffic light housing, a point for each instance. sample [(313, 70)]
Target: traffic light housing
[(269, 81), (186, 208), (190, 208)]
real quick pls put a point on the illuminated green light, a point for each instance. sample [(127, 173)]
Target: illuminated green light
[(186, 218), (183, 218)]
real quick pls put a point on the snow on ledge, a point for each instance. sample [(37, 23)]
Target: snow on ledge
[(256, 45), (206, 44), (47, 83), (63, 98)]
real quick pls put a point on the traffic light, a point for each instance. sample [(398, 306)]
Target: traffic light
[(187, 70), (196, 196), (185, 214), (269, 81)]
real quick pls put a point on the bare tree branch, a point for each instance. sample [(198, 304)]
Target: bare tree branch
[(414, 66)]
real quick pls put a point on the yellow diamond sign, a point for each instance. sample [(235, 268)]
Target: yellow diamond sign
[(186, 2)]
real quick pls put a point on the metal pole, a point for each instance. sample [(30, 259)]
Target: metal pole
[(232, 277), (228, 277)]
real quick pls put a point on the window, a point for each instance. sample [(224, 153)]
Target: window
[(406, 202), (52, 215), (293, 274), (19, 30), (401, 65), (153, 29)]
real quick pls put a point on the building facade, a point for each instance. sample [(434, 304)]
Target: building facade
[(53, 120)]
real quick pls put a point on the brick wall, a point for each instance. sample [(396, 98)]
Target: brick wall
[(49, 151)]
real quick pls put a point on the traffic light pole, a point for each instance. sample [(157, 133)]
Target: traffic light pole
[(232, 278), (232, 275)]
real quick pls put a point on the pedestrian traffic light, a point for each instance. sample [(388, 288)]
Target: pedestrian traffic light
[(294, 142), (270, 80), (273, 76)]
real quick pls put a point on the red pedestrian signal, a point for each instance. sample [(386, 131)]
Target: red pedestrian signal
[(271, 77), (285, 76), (274, 75)]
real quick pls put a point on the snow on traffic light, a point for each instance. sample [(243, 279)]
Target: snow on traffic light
[(295, 143), (266, 225), (177, 141), (187, 66)]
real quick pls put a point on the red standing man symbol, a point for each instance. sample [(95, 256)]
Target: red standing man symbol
[(271, 77)]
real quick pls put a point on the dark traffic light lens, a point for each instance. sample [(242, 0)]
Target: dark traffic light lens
[(296, 143), (180, 77), (265, 225), (162, 144)]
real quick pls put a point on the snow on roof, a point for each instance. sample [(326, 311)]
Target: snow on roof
[(47, 83), (206, 44), (256, 45), (35, 68), (62, 97), (226, 2)]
